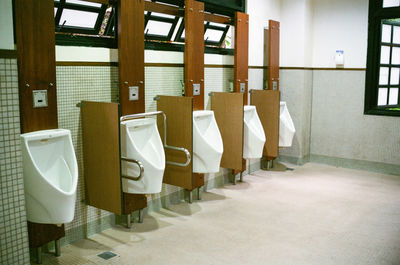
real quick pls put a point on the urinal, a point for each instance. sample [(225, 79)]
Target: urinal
[(286, 126), (141, 141), (50, 176), (207, 142), (253, 134)]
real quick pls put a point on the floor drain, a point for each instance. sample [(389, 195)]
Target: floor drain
[(107, 255)]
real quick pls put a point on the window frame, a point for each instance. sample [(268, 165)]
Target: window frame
[(375, 17)]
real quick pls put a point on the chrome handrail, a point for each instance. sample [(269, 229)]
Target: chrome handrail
[(130, 160), (155, 113)]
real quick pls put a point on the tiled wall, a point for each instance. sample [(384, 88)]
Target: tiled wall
[(74, 84), (13, 226), (100, 83)]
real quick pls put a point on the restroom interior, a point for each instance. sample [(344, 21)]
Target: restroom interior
[(326, 103)]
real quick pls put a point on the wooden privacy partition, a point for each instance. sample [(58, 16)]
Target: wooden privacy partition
[(241, 56), (131, 54), (267, 104), (34, 28), (273, 55), (179, 133), (100, 130), (34, 32), (194, 52), (228, 111)]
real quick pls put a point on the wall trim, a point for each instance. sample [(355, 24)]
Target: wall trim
[(6, 54), (78, 63), (378, 167)]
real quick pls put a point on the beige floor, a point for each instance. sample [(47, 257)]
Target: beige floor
[(315, 214)]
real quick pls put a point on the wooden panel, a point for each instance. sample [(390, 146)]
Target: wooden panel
[(163, 8), (179, 133), (218, 19), (34, 28), (8, 53), (273, 54), (131, 54), (198, 180), (241, 57), (101, 155), (267, 104), (134, 202), (40, 234), (228, 111), (194, 51)]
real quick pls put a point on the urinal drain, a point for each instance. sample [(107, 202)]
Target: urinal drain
[(107, 255)]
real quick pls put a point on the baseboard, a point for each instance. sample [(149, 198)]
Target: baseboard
[(294, 160), (378, 167)]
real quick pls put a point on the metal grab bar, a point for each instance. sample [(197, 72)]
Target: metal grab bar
[(130, 160), (155, 113), (179, 149)]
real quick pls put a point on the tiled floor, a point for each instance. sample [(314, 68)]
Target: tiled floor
[(316, 214)]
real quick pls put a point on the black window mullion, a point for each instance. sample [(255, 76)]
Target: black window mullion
[(390, 65), (100, 18)]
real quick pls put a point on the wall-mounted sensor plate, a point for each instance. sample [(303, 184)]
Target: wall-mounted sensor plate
[(196, 89), (133, 93), (242, 87), (39, 98)]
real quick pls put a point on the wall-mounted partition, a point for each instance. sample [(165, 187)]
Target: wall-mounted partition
[(273, 55), (100, 133), (178, 111), (194, 52), (102, 160), (228, 111), (34, 28), (241, 57), (267, 104), (131, 56)]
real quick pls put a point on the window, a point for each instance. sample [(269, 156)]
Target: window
[(84, 23), (382, 95)]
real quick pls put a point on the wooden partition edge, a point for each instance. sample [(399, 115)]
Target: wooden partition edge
[(8, 54)]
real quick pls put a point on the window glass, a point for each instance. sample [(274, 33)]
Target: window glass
[(158, 28), (395, 76), (391, 3), (395, 55), (385, 54), (396, 35), (162, 15), (386, 33), (393, 96), (55, 11), (383, 76), (213, 35), (77, 18), (382, 96), (84, 3)]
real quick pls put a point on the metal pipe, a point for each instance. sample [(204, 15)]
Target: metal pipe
[(241, 177), (39, 255), (141, 216), (128, 221), (155, 113), (130, 160), (198, 194), (190, 197), (57, 247)]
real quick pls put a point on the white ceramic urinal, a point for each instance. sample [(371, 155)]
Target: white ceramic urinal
[(207, 142), (141, 141), (50, 176), (253, 135), (286, 126)]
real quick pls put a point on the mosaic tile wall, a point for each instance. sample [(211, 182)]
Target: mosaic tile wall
[(100, 83), (74, 84), (13, 227)]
